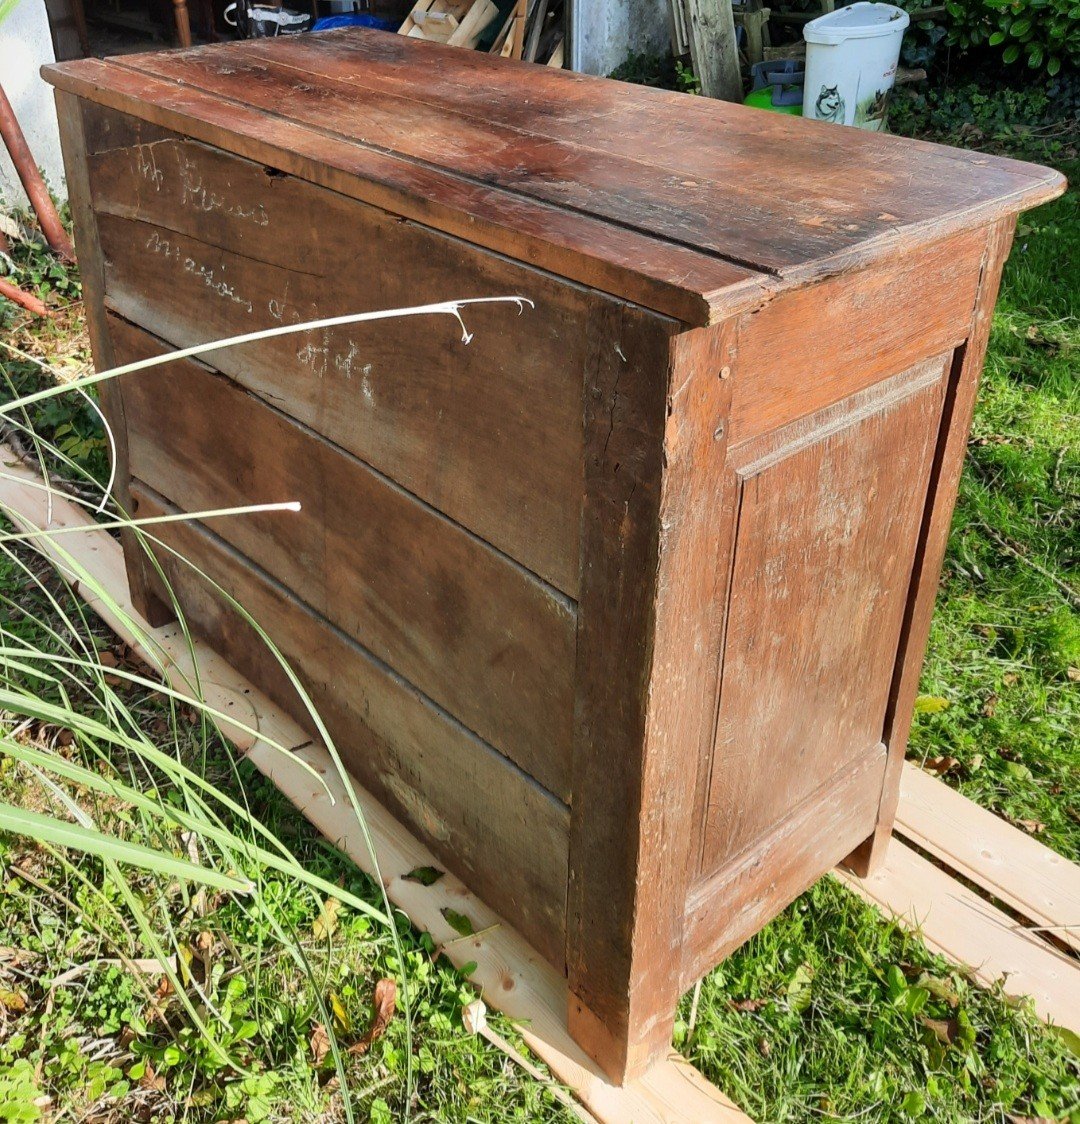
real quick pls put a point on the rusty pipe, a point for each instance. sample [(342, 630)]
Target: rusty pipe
[(36, 191), (24, 300)]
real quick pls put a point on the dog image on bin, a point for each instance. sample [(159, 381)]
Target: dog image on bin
[(829, 105)]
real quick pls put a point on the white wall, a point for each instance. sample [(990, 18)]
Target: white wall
[(25, 44), (606, 31)]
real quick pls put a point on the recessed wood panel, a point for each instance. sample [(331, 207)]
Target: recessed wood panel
[(828, 514), (474, 631), (466, 801)]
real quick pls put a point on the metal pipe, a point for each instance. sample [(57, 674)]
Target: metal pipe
[(36, 191), (24, 300)]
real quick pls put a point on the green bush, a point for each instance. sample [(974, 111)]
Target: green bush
[(1043, 33)]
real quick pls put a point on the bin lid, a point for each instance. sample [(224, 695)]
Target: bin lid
[(864, 20), (691, 207)]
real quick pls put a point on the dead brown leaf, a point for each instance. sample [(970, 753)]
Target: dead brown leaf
[(748, 1005), (944, 1030), (385, 1005), (1074, 674), (150, 1081), (939, 766), (990, 706), (1033, 827), (319, 1044)]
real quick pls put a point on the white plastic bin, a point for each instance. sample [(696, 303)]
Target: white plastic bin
[(851, 57)]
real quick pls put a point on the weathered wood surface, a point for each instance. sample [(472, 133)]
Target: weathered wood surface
[(828, 512), (464, 799), (957, 413), (696, 169), (733, 904), (199, 244), (669, 278), (508, 971), (647, 648), (814, 346), (474, 632), (76, 146)]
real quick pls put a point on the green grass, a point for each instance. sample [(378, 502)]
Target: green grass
[(1005, 644), (829, 1013)]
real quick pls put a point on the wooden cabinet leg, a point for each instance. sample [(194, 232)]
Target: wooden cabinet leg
[(625, 1043)]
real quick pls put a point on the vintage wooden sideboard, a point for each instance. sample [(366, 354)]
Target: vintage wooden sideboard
[(621, 605)]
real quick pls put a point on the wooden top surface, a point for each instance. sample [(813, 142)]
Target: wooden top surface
[(690, 206)]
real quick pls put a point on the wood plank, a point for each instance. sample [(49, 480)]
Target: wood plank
[(473, 631), (811, 347), (725, 216), (671, 279), (856, 197), (92, 269), (459, 795), (199, 243), (967, 929), (511, 976), (865, 186), (713, 49), (1018, 870), (647, 648), (828, 513)]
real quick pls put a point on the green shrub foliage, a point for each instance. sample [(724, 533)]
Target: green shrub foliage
[(1044, 34)]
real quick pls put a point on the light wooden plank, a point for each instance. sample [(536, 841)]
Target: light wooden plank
[(511, 976), (1017, 869), (967, 929)]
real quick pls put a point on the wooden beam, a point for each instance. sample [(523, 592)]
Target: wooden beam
[(1016, 869), (967, 929), (713, 48)]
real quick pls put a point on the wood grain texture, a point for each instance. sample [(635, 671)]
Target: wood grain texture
[(668, 278), (729, 907), (828, 512), (509, 973), (1007, 863), (75, 145), (816, 345), (930, 552), (647, 648), (199, 244), (460, 796), (856, 198), (469, 628)]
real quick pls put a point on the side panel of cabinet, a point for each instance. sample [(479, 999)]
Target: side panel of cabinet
[(827, 516)]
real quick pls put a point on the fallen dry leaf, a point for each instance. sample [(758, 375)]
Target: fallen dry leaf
[(1074, 674), (325, 925), (1034, 827), (319, 1044), (939, 766), (944, 1030), (385, 1005), (748, 1005), (150, 1081), (990, 706)]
